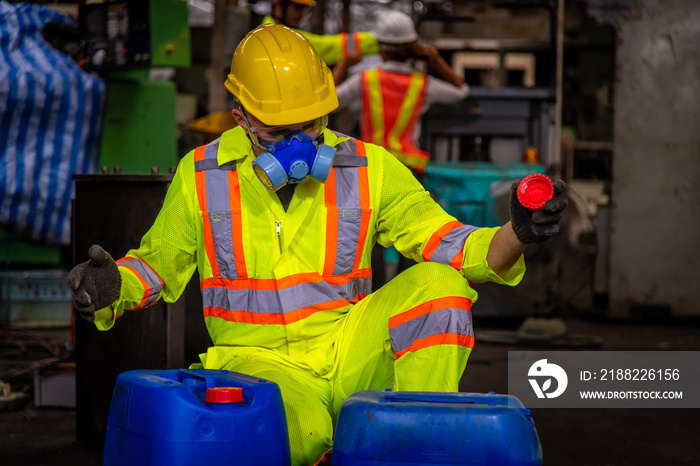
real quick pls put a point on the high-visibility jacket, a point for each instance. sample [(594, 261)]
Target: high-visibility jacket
[(281, 280), (334, 47), (391, 109)]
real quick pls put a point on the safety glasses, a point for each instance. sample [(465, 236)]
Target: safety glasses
[(272, 138)]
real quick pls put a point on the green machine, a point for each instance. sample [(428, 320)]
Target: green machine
[(125, 42), (139, 128)]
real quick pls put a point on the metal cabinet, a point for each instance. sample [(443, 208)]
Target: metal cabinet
[(115, 211), (494, 125)]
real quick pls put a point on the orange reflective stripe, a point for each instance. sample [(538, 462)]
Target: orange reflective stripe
[(456, 262), (331, 225), (456, 302), (441, 339), (201, 184), (236, 223), (343, 279), (272, 317), (358, 44), (399, 137), (284, 282), (151, 282), (344, 43), (146, 293), (434, 240), (364, 204), (392, 105), (324, 457)]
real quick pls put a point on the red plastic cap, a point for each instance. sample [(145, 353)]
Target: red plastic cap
[(224, 395), (534, 190)]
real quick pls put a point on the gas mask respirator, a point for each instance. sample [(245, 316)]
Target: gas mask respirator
[(292, 156)]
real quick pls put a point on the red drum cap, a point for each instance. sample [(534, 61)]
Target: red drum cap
[(534, 190), (224, 395)]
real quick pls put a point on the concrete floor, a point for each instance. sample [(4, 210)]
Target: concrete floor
[(578, 437)]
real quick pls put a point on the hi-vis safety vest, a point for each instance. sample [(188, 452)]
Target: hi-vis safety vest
[(277, 300), (334, 47), (283, 280), (391, 109)]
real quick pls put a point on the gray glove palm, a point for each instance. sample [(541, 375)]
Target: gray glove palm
[(535, 227), (95, 284)]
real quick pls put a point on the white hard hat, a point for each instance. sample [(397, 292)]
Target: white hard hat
[(395, 27)]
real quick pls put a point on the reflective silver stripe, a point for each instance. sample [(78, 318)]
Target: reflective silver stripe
[(206, 164), (346, 160), (347, 195), (452, 244), (219, 212), (285, 300), (350, 45), (356, 286), (152, 280), (449, 320)]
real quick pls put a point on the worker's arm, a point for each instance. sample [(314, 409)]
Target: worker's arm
[(505, 250), (160, 268), (165, 260), (438, 91), (342, 67), (432, 57), (420, 229), (333, 47)]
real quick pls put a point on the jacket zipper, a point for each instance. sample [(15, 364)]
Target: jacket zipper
[(278, 225)]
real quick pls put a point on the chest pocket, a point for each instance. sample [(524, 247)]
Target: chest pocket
[(348, 209)]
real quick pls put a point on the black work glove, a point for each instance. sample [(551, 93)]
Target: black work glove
[(534, 227), (95, 284)]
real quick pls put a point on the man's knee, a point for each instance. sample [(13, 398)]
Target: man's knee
[(433, 274)]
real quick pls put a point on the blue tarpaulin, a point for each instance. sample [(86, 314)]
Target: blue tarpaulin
[(50, 125)]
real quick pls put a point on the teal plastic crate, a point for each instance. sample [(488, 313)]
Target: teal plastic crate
[(470, 191), (35, 298)]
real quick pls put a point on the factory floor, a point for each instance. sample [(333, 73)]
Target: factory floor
[(42, 436)]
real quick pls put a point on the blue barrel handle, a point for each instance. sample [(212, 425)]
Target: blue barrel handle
[(439, 398), (427, 398), (208, 380)]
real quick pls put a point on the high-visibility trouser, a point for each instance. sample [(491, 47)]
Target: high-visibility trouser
[(422, 316)]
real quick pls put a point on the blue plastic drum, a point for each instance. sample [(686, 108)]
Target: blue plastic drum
[(195, 417), (425, 428)]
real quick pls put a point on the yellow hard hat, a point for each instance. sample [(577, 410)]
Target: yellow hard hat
[(279, 78), (305, 2)]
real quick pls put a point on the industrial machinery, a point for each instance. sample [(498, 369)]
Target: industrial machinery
[(124, 41), (121, 34), (506, 129)]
